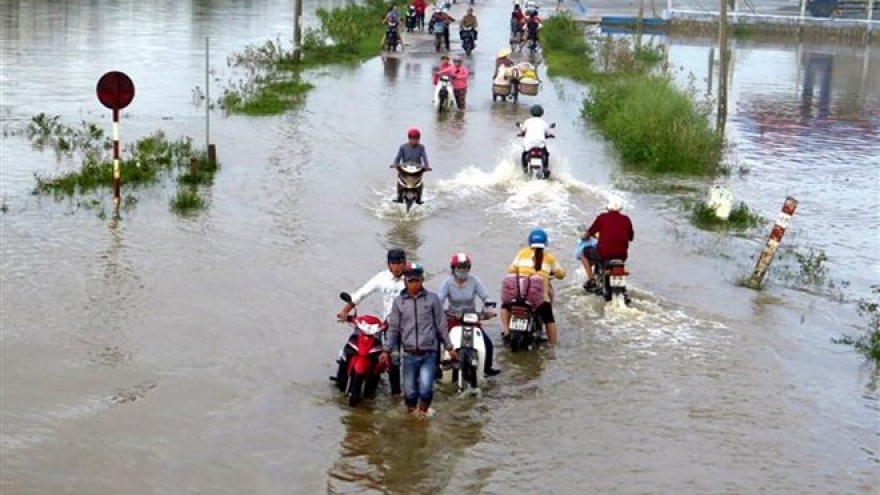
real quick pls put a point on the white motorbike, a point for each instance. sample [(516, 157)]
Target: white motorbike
[(443, 96), (467, 338)]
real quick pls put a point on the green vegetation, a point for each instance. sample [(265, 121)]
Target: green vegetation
[(187, 200), (146, 161), (741, 217), (657, 127), (274, 84), (868, 343)]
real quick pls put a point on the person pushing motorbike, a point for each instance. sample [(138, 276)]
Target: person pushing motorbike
[(388, 283), (459, 75)]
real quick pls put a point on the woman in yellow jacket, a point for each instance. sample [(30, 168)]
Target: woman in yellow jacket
[(530, 260)]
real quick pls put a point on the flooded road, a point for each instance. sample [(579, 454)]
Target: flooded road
[(168, 354)]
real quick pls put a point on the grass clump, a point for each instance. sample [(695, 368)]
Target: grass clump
[(868, 343), (655, 126), (187, 200), (274, 84), (741, 218), (565, 49)]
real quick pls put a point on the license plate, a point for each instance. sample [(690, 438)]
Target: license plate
[(519, 324), (618, 281), (536, 162)]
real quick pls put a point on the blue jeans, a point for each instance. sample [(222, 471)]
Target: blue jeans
[(418, 379)]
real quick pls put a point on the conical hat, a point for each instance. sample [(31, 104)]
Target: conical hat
[(504, 52)]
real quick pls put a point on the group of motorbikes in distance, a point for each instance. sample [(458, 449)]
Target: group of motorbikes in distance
[(359, 368)]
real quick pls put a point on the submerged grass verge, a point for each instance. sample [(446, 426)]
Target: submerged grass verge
[(147, 161), (741, 217), (657, 127), (274, 83)]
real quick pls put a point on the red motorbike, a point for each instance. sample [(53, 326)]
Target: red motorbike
[(359, 369)]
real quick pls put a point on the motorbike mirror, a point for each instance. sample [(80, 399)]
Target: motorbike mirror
[(489, 304), (345, 296), (518, 124), (553, 125)]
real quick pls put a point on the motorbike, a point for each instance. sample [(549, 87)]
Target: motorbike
[(411, 19), (359, 369), (535, 166), (409, 180), (467, 339), (611, 282), (391, 39), (523, 295), (443, 96), (467, 40)]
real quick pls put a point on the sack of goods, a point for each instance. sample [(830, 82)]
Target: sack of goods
[(531, 288)]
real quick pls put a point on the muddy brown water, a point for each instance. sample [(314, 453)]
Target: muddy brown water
[(168, 354)]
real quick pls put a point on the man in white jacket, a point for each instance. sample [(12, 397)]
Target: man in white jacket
[(389, 283), (535, 132)]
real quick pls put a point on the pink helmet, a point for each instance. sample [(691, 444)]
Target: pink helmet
[(414, 132), (460, 260)]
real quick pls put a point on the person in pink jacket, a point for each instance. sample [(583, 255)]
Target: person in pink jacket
[(458, 74)]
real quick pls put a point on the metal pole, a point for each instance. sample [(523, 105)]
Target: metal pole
[(639, 22), (297, 32), (803, 10), (773, 241), (870, 12), (207, 92), (116, 175), (724, 56)]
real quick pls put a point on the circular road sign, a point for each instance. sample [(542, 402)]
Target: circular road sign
[(115, 90)]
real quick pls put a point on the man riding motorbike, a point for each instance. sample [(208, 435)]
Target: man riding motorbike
[(535, 132), (461, 289), (469, 21), (392, 18), (411, 152), (529, 261), (614, 231), (388, 283), (532, 26)]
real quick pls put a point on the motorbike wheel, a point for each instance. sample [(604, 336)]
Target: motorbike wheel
[(342, 376), (606, 288), (355, 389), (517, 341), (371, 385)]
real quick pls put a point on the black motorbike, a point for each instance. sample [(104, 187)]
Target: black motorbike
[(611, 278), (411, 19), (391, 38), (468, 39)]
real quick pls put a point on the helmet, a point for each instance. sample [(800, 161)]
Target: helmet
[(614, 204), (456, 59), (538, 238), (396, 255), (460, 260), (414, 132), (536, 110), (414, 270)]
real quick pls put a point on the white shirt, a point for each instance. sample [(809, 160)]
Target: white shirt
[(536, 130), (387, 284)]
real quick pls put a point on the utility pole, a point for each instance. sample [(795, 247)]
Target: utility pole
[(724, 60), (297, 30)]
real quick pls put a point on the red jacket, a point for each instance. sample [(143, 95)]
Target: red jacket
[(420, 6), (615, 232)]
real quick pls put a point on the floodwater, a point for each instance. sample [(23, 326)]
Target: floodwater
[(168, 354)]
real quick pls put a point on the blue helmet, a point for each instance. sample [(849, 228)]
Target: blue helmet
[(538, 238)]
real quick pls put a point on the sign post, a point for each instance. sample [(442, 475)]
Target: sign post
[(773, 241), (115, 91)]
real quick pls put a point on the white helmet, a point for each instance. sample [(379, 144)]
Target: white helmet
[(614, 204)]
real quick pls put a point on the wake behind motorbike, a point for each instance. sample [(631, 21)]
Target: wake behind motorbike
[(468, 39), (534, 164), (443, 95), (359, 369), (467, 339), (409, 183)]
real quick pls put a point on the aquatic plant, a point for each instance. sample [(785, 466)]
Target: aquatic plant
[(868, 343), (565, 50), (187, 200)]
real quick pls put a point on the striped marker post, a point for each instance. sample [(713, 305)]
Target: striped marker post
[(115, 91), (782, 221)]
